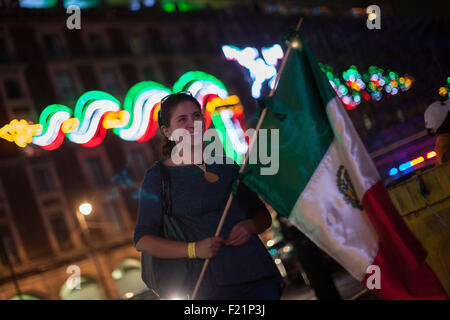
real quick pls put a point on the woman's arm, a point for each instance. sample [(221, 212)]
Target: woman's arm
[(260, 222), (258, 217), (170, 249), (162, 248), (242, 232)]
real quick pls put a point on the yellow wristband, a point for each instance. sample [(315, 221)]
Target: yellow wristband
[(191, 250)]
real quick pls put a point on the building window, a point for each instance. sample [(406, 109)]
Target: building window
[(44, 180), (52, 46), (96, 45), (168, 71), (4, 55), (136, 45), (60, 229), (111, 212), (8, 246), (65, 85), (111, 82), (96, 172), (13, 89), (149, 73)]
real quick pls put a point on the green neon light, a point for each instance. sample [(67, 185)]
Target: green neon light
[(168, 6), (187, 79), (223, 137), (83, 101), (83, 4), (38, 4), (44, 118), (133, 94)]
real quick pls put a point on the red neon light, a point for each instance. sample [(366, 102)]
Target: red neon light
[(151, 127), (98, 136), (56, 143)]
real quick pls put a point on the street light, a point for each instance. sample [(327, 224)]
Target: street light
[(83, 210)]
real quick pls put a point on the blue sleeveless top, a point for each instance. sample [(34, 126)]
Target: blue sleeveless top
[(197, 206)]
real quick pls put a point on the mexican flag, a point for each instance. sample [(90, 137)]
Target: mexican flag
[(329, 188)]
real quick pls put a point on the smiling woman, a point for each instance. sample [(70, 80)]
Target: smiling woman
[(178, 111), (240, 267)]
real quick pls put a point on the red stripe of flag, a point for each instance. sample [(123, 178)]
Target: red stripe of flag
[(405, 275)]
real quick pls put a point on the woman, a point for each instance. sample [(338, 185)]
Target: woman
[(240, 266)]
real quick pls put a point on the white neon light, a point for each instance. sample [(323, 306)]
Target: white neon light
[(141, 114), (259, 70), (200, 88), (273, 54), (237, 140), (53, 128), (91, 121)]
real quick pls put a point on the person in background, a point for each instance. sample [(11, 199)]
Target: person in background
[(437, 122)]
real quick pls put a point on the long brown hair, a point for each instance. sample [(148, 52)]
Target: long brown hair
[(165, 114)]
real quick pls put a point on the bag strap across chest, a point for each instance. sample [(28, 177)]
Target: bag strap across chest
[(165, 180)]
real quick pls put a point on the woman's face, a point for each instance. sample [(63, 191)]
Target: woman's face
[(184, 116)]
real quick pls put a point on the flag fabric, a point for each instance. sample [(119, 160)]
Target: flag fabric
[(329, 188)]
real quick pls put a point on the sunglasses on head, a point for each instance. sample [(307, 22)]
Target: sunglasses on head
[(172, 94)]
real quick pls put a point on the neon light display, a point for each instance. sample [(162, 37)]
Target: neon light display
[(20, 132), (260, 69), (369, 85), (38, 4), (409, 164), (82, 4), (351, 91), (96, 112), (444, 91)]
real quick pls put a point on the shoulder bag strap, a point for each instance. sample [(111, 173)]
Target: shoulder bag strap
[(165, 179)]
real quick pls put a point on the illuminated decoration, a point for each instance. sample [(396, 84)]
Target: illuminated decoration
[(260, 69), (409, 164), (431, 154), (70, 125), (393, 171), (227, 143), (140, 103), (20, 132), (96, 111), (235, 132), (444, 91), (82, 4), (85, 208), (51, 120), (37, 4), (368, 86), (92, 107), (133, 5), (171, 5), (200, 84), (351, 91), (116, 119)]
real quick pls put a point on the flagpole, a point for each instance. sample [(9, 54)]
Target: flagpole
[(244, 164)]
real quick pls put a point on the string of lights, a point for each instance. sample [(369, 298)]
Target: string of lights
[(96, 111)]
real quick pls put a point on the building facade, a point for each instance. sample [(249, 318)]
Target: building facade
[(42, 62)]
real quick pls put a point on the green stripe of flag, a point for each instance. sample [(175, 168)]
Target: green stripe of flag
[(298, 110)]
